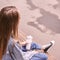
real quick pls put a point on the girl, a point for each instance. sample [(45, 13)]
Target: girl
[(9, 49)]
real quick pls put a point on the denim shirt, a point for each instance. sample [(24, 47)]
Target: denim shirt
[(13, 51)]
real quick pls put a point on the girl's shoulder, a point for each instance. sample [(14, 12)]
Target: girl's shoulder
[(14, 51)]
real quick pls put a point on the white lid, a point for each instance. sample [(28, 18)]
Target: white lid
[(29, 37)]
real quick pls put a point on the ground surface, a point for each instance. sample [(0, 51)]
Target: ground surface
[(41, 19)]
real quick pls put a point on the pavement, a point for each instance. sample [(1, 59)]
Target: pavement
[(41, 19)]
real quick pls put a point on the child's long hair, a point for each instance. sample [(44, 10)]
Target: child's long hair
[(9, 18)]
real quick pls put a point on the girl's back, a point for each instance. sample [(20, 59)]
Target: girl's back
[(13, 51)]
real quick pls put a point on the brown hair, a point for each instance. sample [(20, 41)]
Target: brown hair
[(9, 18)]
